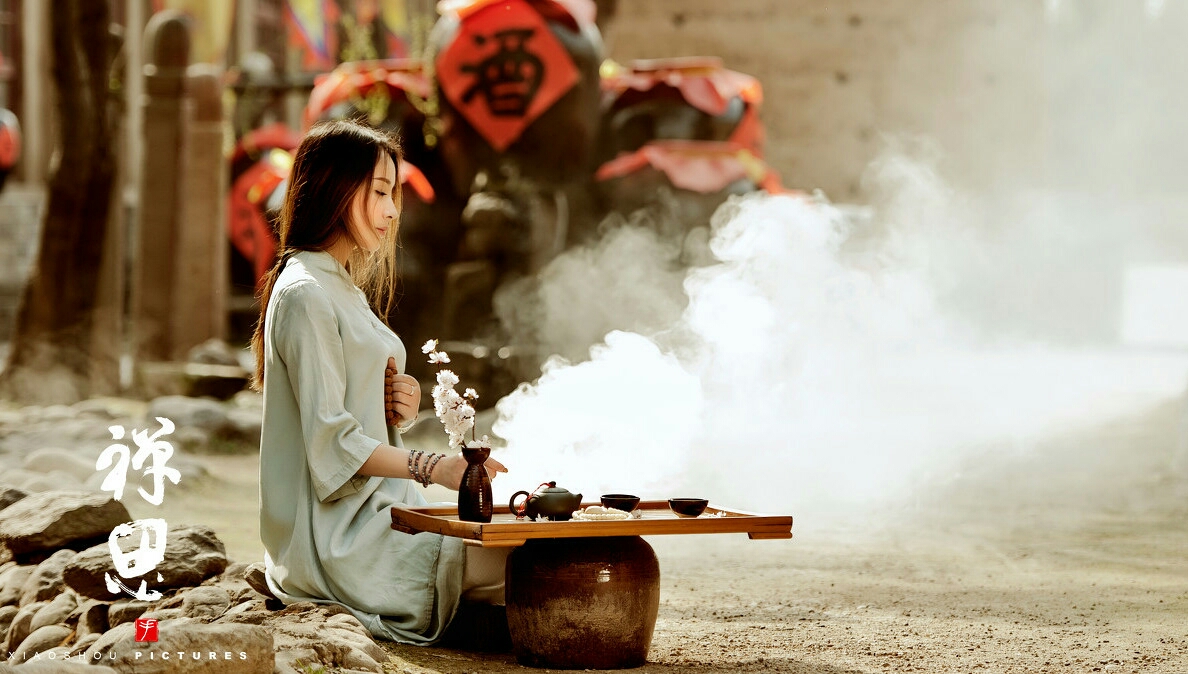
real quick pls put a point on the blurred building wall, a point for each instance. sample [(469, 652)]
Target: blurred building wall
[(1069, 93), (1060, 120), (838, 75)]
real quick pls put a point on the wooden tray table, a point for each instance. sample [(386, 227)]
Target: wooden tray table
[(505, 530), (584, 594)]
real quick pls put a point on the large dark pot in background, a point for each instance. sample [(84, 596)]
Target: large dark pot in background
[(687, 98), (555, 146), (678, 137), (583, 603), (518, 91)]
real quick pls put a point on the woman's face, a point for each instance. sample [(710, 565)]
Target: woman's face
[(375, 211)]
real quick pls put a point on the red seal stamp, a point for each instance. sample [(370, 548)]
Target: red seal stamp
[(146, 629)]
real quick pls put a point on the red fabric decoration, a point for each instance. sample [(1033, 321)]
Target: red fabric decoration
[(257, 140), (704, 83), (696, 166), (411, 175), (10, 146), (358, 78), (504, 68), (249, 230)]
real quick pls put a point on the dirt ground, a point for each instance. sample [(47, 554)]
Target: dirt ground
[(1109, 595), (1072, 560)]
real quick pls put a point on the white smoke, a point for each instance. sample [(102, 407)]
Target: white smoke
[(812, 370), (624, 420), (629, 279)]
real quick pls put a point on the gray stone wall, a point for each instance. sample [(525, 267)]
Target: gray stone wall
[(837, 76), (1071, 94)]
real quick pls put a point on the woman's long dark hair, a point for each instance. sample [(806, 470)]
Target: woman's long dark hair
[(334, 161)]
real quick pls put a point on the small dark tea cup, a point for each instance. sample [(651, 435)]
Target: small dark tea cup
[(688, 507), (624, 502)]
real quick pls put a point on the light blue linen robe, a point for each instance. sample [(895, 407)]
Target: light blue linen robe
[(327, 531)]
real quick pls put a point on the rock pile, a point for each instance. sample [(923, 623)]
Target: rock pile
[(57, 614), (55, 446)]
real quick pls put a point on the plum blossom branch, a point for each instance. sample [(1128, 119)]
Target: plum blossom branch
[(454, 410)]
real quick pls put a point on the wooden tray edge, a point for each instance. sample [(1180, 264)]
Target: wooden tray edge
[(414, 520)]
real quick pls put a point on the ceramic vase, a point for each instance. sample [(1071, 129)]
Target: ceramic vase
[(474, 493)]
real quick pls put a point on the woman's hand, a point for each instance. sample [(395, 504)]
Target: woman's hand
[(449, 470), (402, 396)]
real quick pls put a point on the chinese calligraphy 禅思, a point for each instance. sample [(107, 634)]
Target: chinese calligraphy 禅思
[(156, 452)]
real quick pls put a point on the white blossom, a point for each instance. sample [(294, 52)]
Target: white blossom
[(458, 419), (455, 413)]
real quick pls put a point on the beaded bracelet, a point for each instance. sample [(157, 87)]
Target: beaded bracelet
[(418, 473), (432, 465), (415, 466), (423, 469)]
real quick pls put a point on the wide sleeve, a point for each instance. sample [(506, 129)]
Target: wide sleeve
[(305, 332)]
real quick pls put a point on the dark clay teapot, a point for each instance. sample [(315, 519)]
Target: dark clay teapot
[(550, 502)]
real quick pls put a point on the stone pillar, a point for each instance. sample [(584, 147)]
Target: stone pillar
[(136, 17), (201, 277), (245, 28), (37, 114), (294, 98), (166, 54)]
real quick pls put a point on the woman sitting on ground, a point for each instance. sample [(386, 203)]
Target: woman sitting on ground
[(336, 400)]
